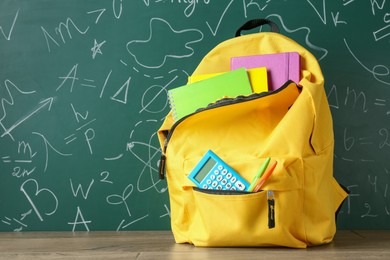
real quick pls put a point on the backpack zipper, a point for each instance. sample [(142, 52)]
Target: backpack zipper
[(219, 103), (270, 200)]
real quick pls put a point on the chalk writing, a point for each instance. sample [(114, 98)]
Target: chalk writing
[(89, 136), (80, 189), (190, 4), (347, 2), (121, 95), (214, 31), (385, 142), (116, 199), (322, 14), (7, 36), (100, 13), (96, 49), (49, 148), (24, 160), (149, 170), (377, 71), (105, 83), (368, 213), (83, 122), (59, 30), (351, 195), (356, 100), (83, 90), (377, 4), (19, 222), (105, 175), (42, 105), (37, 191), (168, 212), (161, 90), (250, 3), (307, 40), (79, 220), (158, 58), (117, 8), (121, 226), (10, 101), (382, 32), (335, 18)]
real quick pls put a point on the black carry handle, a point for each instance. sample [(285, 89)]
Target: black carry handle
[(251, 24)]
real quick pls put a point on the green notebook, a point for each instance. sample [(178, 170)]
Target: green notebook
[(188, 98)]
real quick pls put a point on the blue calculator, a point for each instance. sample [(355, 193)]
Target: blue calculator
[(214, 174)]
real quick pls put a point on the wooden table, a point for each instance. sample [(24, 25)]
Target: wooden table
[(160, 245)]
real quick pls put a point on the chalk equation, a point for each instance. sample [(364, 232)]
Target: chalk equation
[(84, 85)]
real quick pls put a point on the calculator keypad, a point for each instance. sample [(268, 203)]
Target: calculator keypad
[(221, 179)]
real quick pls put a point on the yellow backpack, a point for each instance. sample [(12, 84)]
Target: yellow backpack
[(293, 125)]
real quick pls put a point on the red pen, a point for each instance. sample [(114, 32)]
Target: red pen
[(265, 177)]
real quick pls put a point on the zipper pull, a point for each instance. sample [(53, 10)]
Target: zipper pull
[(271, 209), (161, 167)]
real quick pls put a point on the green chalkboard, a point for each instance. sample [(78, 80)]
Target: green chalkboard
[(83, 89)]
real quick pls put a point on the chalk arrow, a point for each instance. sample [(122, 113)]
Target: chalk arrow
[(44, 103)]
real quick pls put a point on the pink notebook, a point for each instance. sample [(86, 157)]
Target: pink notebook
[(280, 66)]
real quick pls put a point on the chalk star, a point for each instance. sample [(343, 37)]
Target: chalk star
[(96, 48)]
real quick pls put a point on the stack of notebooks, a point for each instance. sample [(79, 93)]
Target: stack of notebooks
[(249, 74)]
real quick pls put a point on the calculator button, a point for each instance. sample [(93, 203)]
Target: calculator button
[(220, 167), (233, 188), (233, 180), (208, 181), (212, 177), (214, 184), (216, 172), (228, 185), (239, 185), (219, 178), (204, 186), (224, 181), (224, 171), (219, 187), (229, 175)]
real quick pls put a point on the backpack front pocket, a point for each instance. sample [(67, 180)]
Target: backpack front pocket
[(248, 219)]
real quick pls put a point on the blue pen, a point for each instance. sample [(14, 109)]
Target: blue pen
[(259, 173)]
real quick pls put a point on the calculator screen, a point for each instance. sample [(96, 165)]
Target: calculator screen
[(205, 169), (211, 173)]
